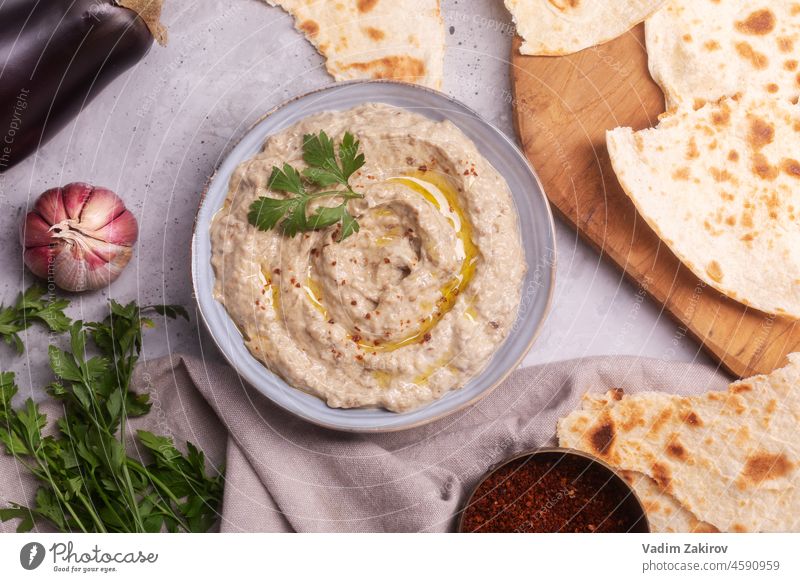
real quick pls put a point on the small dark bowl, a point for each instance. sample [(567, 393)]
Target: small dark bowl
[(580, 464)]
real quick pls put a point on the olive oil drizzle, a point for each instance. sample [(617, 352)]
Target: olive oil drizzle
[(437, 190)]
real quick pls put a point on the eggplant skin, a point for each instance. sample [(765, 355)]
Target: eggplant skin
[(55, 56)]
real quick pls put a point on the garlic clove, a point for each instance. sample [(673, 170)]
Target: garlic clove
[(104, 251), (100, 209), (50, 206), (35, 232), (40, 260), (123, 230), (75, 196), (79, 269)]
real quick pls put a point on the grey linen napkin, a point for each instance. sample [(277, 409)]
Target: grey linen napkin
[(283, 474)]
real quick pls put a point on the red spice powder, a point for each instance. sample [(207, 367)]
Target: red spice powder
[(550, 493)]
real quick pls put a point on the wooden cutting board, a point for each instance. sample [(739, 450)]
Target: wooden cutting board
[(562, 108)]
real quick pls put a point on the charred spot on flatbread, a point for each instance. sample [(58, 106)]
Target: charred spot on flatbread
[(392, 67), (601, 437), (759, 22), (366, 5), (662, 476), (764, 466), (675, 449)]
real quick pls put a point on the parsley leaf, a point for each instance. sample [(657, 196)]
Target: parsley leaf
[(324, 217), (286, 180), (31, 308), (352, 161), (324, 170)]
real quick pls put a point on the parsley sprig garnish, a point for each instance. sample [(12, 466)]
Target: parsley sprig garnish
[(87, 480), (324, 170)]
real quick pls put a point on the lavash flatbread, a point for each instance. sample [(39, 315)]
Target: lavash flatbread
[(374, 39), (730, 458), (664, 512), (562, 27), (702, 50), (721, 186)]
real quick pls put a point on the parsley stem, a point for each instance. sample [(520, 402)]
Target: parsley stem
[(110, 507), (43, 475), (123, 417), (92, 513), (61, 498), (163, 488)]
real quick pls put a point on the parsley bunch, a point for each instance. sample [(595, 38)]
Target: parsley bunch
[(87, 480), (324, 170)]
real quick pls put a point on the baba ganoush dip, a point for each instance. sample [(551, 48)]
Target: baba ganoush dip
[(411, 306)]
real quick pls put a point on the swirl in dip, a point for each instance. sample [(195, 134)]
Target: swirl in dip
[(411, 306)]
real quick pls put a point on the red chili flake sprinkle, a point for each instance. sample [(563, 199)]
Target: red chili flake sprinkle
[(494, 324), (387, 261), (293, 280), (276, 271), (333, 263), (426, 338), (555, 494), (354, 302), (298, 285), (368, 316), (330, 321), (359, 357), (423, 168), (356, 338)]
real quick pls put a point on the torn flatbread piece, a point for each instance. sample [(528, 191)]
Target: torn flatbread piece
[(562, 27), (730, 458), (663, 511), (703, 50), (721, 186), (374, 39)]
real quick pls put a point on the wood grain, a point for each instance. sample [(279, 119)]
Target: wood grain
[(563, 107)]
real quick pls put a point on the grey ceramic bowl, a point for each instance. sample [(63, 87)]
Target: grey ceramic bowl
[(536, 224)]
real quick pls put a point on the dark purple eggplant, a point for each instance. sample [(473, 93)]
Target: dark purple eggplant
[(55, 56)]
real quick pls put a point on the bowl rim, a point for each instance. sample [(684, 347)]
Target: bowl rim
[(553, 260), (566, 452)]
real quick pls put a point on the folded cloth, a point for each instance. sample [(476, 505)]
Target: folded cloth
[(284, 474)]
